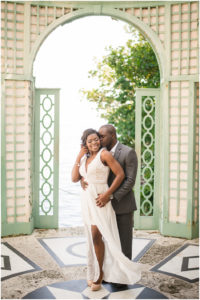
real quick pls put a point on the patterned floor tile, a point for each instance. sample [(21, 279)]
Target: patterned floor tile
[(183, 263), (77, 289), (69, 251), (101, 294), (66, 251), (128, 294), (13, 263)]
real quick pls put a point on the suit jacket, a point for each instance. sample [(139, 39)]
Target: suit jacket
[(123, 200)]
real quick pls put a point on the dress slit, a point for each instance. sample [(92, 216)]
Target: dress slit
[(116, 267), (94, 251)]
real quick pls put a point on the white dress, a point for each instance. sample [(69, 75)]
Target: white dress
[(117, 268)]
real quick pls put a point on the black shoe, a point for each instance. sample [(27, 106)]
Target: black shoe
[(103, 281), (119, 285)]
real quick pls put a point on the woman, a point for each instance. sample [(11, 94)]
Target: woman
[(105, 258)]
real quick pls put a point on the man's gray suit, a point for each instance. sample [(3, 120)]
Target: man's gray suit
[(123, 200)]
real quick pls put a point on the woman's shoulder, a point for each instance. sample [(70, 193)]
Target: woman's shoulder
[(105, 153)]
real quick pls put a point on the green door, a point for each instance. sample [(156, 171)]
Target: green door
[(46, 173), (147, 149)]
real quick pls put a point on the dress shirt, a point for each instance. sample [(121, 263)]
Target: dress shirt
[(114, 148), (112, 151)]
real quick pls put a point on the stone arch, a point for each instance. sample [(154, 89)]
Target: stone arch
[(148, 33)]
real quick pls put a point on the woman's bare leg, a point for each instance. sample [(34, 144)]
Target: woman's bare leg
[(99, 249)]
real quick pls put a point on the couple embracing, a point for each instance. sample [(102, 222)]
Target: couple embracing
[(107, 171)]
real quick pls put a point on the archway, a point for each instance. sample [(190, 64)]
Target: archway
[(147, 32), (172, 29), (65, 22), (63, 61)]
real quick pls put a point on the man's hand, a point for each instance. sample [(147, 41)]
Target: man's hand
[(84, 183), (102, 199)]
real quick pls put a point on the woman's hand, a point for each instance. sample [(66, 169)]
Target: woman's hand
[(83, 151)]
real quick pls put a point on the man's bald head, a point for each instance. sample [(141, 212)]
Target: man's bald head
[(108, 136), (110, 128)]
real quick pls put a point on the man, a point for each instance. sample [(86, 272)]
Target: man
[(123, 200)]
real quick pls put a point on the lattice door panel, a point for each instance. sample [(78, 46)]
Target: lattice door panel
[(46, 158), (146, 141)]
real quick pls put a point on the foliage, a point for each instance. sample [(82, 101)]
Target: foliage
[(119, 73)]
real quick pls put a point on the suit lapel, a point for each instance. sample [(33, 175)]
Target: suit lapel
[(116, 156), (117, 151)]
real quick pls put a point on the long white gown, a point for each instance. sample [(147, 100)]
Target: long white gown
[(117, 268)]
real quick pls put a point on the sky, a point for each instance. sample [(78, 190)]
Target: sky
[(63, 61)]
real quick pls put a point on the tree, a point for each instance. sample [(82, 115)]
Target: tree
[(119, 72)]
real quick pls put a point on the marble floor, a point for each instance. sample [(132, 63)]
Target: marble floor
[(77, 289), (14, 263), (183, 263), (71, 251)]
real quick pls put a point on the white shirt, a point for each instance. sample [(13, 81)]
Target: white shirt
[(112, 151), (114, 148)]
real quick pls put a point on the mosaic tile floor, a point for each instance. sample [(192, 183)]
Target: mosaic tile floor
[(71, 251), (77, 289), (183, 263), (14, 263)]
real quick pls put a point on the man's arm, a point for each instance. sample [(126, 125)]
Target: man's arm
[(130, 171)]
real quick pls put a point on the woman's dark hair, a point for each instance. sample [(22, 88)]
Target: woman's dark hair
[(86, 133)]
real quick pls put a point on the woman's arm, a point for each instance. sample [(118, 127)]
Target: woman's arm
[(110, 161), (75, 175)]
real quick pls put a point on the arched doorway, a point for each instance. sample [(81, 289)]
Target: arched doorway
[(98, 10), (172, 29), (48, 216), (64, 60)]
